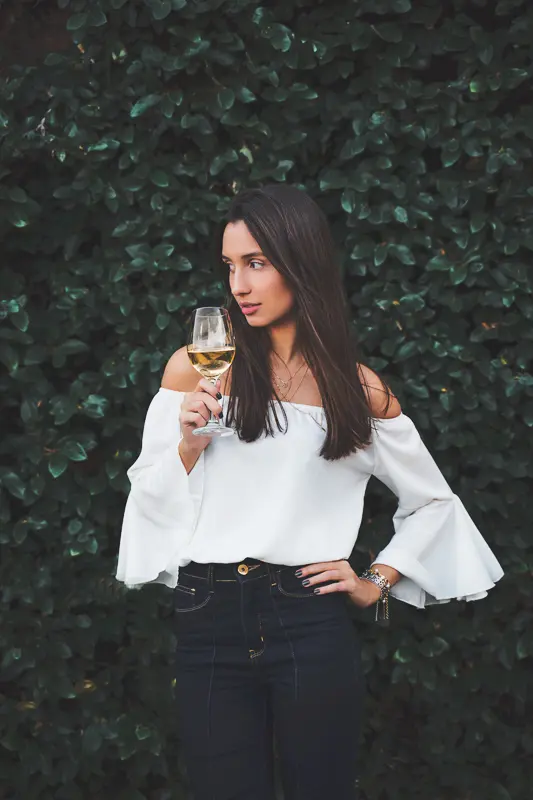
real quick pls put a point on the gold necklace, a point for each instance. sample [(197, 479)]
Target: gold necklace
[(296, 390), (284, 385)]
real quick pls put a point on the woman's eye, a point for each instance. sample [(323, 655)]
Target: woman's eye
[(258, 263)]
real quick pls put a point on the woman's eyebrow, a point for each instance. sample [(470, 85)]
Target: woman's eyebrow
[(247, 255)]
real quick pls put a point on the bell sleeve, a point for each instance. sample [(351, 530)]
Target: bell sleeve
[(436, 546), (163, 502)]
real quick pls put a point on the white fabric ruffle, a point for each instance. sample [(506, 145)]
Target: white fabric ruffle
[(436, 546)]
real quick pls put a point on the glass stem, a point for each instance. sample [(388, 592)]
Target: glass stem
[(212, 419)]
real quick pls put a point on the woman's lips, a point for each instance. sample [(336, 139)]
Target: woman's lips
[(250, 309)]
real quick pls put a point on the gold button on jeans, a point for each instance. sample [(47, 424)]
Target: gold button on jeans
[(242, 569)]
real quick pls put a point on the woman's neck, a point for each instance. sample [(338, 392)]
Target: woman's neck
[(283, 339)]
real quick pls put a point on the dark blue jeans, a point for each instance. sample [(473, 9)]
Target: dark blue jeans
[(259, 657)]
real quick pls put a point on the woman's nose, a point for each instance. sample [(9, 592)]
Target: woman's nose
[(239, 284)]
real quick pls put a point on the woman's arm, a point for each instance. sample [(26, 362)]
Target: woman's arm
[(181, 376), (436, 548), (377, 401)]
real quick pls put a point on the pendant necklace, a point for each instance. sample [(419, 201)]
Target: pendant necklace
[(284, 386)]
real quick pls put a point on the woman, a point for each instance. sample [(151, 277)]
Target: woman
[(253, 531)]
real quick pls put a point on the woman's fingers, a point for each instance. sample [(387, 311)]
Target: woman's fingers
[(339, 573), (204, 385), (313, 569), (204, 403), (194, 418), (322, 577), (338, 586)]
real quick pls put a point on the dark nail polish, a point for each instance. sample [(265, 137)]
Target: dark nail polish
[(306, 582), (317, 591), (298, 573), (220, 415), (218, 396)]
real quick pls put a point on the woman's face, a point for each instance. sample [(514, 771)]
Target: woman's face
[(253, 280)]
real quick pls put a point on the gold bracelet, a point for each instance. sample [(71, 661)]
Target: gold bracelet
[(374, 576)]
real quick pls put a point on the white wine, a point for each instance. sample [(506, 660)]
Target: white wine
[(212, 363), (211, 350)]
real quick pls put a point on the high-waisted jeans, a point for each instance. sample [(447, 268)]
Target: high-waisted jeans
[(261, 658)]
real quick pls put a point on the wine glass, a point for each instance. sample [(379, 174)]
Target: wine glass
[(211, 350)]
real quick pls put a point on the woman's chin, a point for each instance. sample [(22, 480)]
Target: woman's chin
[(256, 320), (253, 322)]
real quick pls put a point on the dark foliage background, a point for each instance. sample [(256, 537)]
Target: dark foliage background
[(125, 127)]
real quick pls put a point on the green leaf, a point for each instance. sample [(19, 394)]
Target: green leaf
[(159, 8), (458, 273), (403, 253), (160, 178), (21, 320), (403, 655), (95, 406), (96, 17), (400, 215), (406, 350), (54, 59), (439, 262), (485, 55), (494, 164), (9, 357), (280, 37), (352, 147), (348, 200), (14, 485), (74, 451), (17, 217), (57, 464), (245, 95), (226, 98), (381, 252), (136, 250), (433, 646), (132, 183), (92, 739), (417, 389), (17, 194), (163, 250), (184, 265), (77, 21), (162, 320), (388, 31), (142, 105), (72, 346)]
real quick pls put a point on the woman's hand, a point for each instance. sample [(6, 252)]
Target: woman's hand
[(361, 592), (194, 414)]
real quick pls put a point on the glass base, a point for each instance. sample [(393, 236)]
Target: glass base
[(213, 429)]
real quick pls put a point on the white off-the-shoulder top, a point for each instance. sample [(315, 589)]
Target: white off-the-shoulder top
[(277, 500)]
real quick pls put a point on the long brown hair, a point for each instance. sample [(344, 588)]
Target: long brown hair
[(294, 235)]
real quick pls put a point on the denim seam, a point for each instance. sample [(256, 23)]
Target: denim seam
[(185, 589), (290, 594), (209, 697), (257, 653), (195, 608), (295, 665)]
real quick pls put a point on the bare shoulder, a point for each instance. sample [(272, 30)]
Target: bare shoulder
[(377, 394), (179, 373)]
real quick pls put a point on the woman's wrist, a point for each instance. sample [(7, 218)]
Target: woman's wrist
[(189, 455), (373, 592), (392, 575)]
